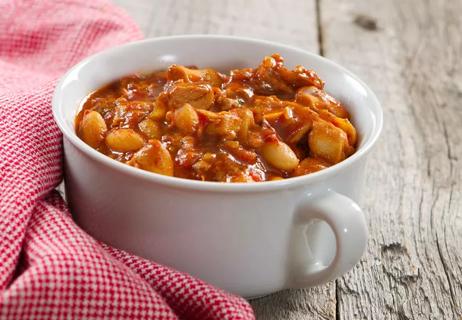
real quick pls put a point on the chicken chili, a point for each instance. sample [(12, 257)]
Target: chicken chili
[(260, 124)]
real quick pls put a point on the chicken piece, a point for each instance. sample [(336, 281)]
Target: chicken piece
[(319, 100), (239, 91), (247, 123), (328, 142), (186, 119), (177, 72), (335, 106), (208, 116), (187, 154), (262, 106), (133, 87), (226, 125), (267, 81), (208, 76), (300, 77), (310, 165), (159, 107), (240, 153), (341, 123), (244, 74), (222, 102), (204, 164), (297, 133), (271, 77), (309, 96), (242, 177), (129, 113), (200, 96), (153, 157), (255, 139)]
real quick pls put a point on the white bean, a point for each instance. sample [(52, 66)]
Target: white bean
[(150, 128), (124, 140), (92, 128), (279, 155)]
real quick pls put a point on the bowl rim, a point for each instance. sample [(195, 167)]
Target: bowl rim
[(212, 185)]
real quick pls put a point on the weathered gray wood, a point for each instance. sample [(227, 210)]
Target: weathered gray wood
[(141, 11), (410, 52), (292, 22)]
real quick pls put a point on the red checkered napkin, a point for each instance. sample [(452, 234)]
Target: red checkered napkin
[(49, 268)]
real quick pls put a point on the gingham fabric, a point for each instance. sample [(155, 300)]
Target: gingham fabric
[(49, 267)]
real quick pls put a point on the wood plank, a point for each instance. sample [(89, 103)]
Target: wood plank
[(410, 54), (291, 22), (318, 303), (141, 11)]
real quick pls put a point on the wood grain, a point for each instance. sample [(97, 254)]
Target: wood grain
[(291, 22), (410, 53)]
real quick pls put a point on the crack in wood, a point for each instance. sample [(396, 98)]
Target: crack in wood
[(400, 268), (395, 247), (319, 27), (448, 145), (445, 269), (337, 300)]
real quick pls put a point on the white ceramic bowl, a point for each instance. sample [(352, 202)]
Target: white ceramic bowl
[(250, 239)]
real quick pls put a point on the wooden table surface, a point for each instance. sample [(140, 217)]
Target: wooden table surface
[(410, 53)]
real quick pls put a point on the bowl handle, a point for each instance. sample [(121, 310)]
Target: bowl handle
[(346, 219)]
